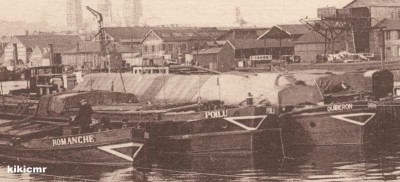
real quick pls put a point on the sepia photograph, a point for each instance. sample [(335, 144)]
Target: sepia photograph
[(199, 90)]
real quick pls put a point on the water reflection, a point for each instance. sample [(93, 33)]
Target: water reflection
[(374, 162)]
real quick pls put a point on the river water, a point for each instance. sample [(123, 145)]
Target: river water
[(378, 161)]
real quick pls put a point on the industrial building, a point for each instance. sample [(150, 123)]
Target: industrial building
[(38, 50), (130, 36), (243, 33), (391, 31), (359, 23), (87, 55), (165, 44), (220, 58), (311, 46)]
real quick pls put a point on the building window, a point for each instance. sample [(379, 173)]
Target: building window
[(170, 47), (387, 35), (153, 49), (398, 13), (398, 51), (183, 47), (163, 47), (196, 46), (145, 48), (388, 51)]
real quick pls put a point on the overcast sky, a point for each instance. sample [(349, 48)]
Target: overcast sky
[(188, 12)]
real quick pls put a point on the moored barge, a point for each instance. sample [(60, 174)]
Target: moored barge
[(52, 141)]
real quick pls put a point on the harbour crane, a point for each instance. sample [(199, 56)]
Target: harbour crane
[(101, 33), (103, 43), (102, 37)]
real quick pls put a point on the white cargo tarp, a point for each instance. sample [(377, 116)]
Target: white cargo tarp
[(171, 88)]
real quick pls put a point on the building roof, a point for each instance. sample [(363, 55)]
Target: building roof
[(390, 24), (187, 34), (310, 37), (372, 3), (212, 50), (60, 42), (252, 44), (275, 32), (258, 31), (295, 29), (94, 47), (128, 33)]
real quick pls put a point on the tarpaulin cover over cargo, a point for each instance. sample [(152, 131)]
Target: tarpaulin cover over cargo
[(275, 88), (58, 102), (232, 89)]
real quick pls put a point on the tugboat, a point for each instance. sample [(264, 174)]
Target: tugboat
[(43, 80), (53, 141)]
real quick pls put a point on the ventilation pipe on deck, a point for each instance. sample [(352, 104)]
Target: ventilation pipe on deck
[(250, 100)]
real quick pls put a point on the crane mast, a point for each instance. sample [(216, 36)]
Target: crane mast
[(101, 33)]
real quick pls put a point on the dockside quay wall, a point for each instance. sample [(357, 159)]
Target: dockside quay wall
[(172, 88)]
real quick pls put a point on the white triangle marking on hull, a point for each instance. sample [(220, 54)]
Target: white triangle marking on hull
[(342, 117), (232, 120), (109, 149)]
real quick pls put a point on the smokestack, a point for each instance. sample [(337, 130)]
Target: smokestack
[(51, 54), (15, 54)]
